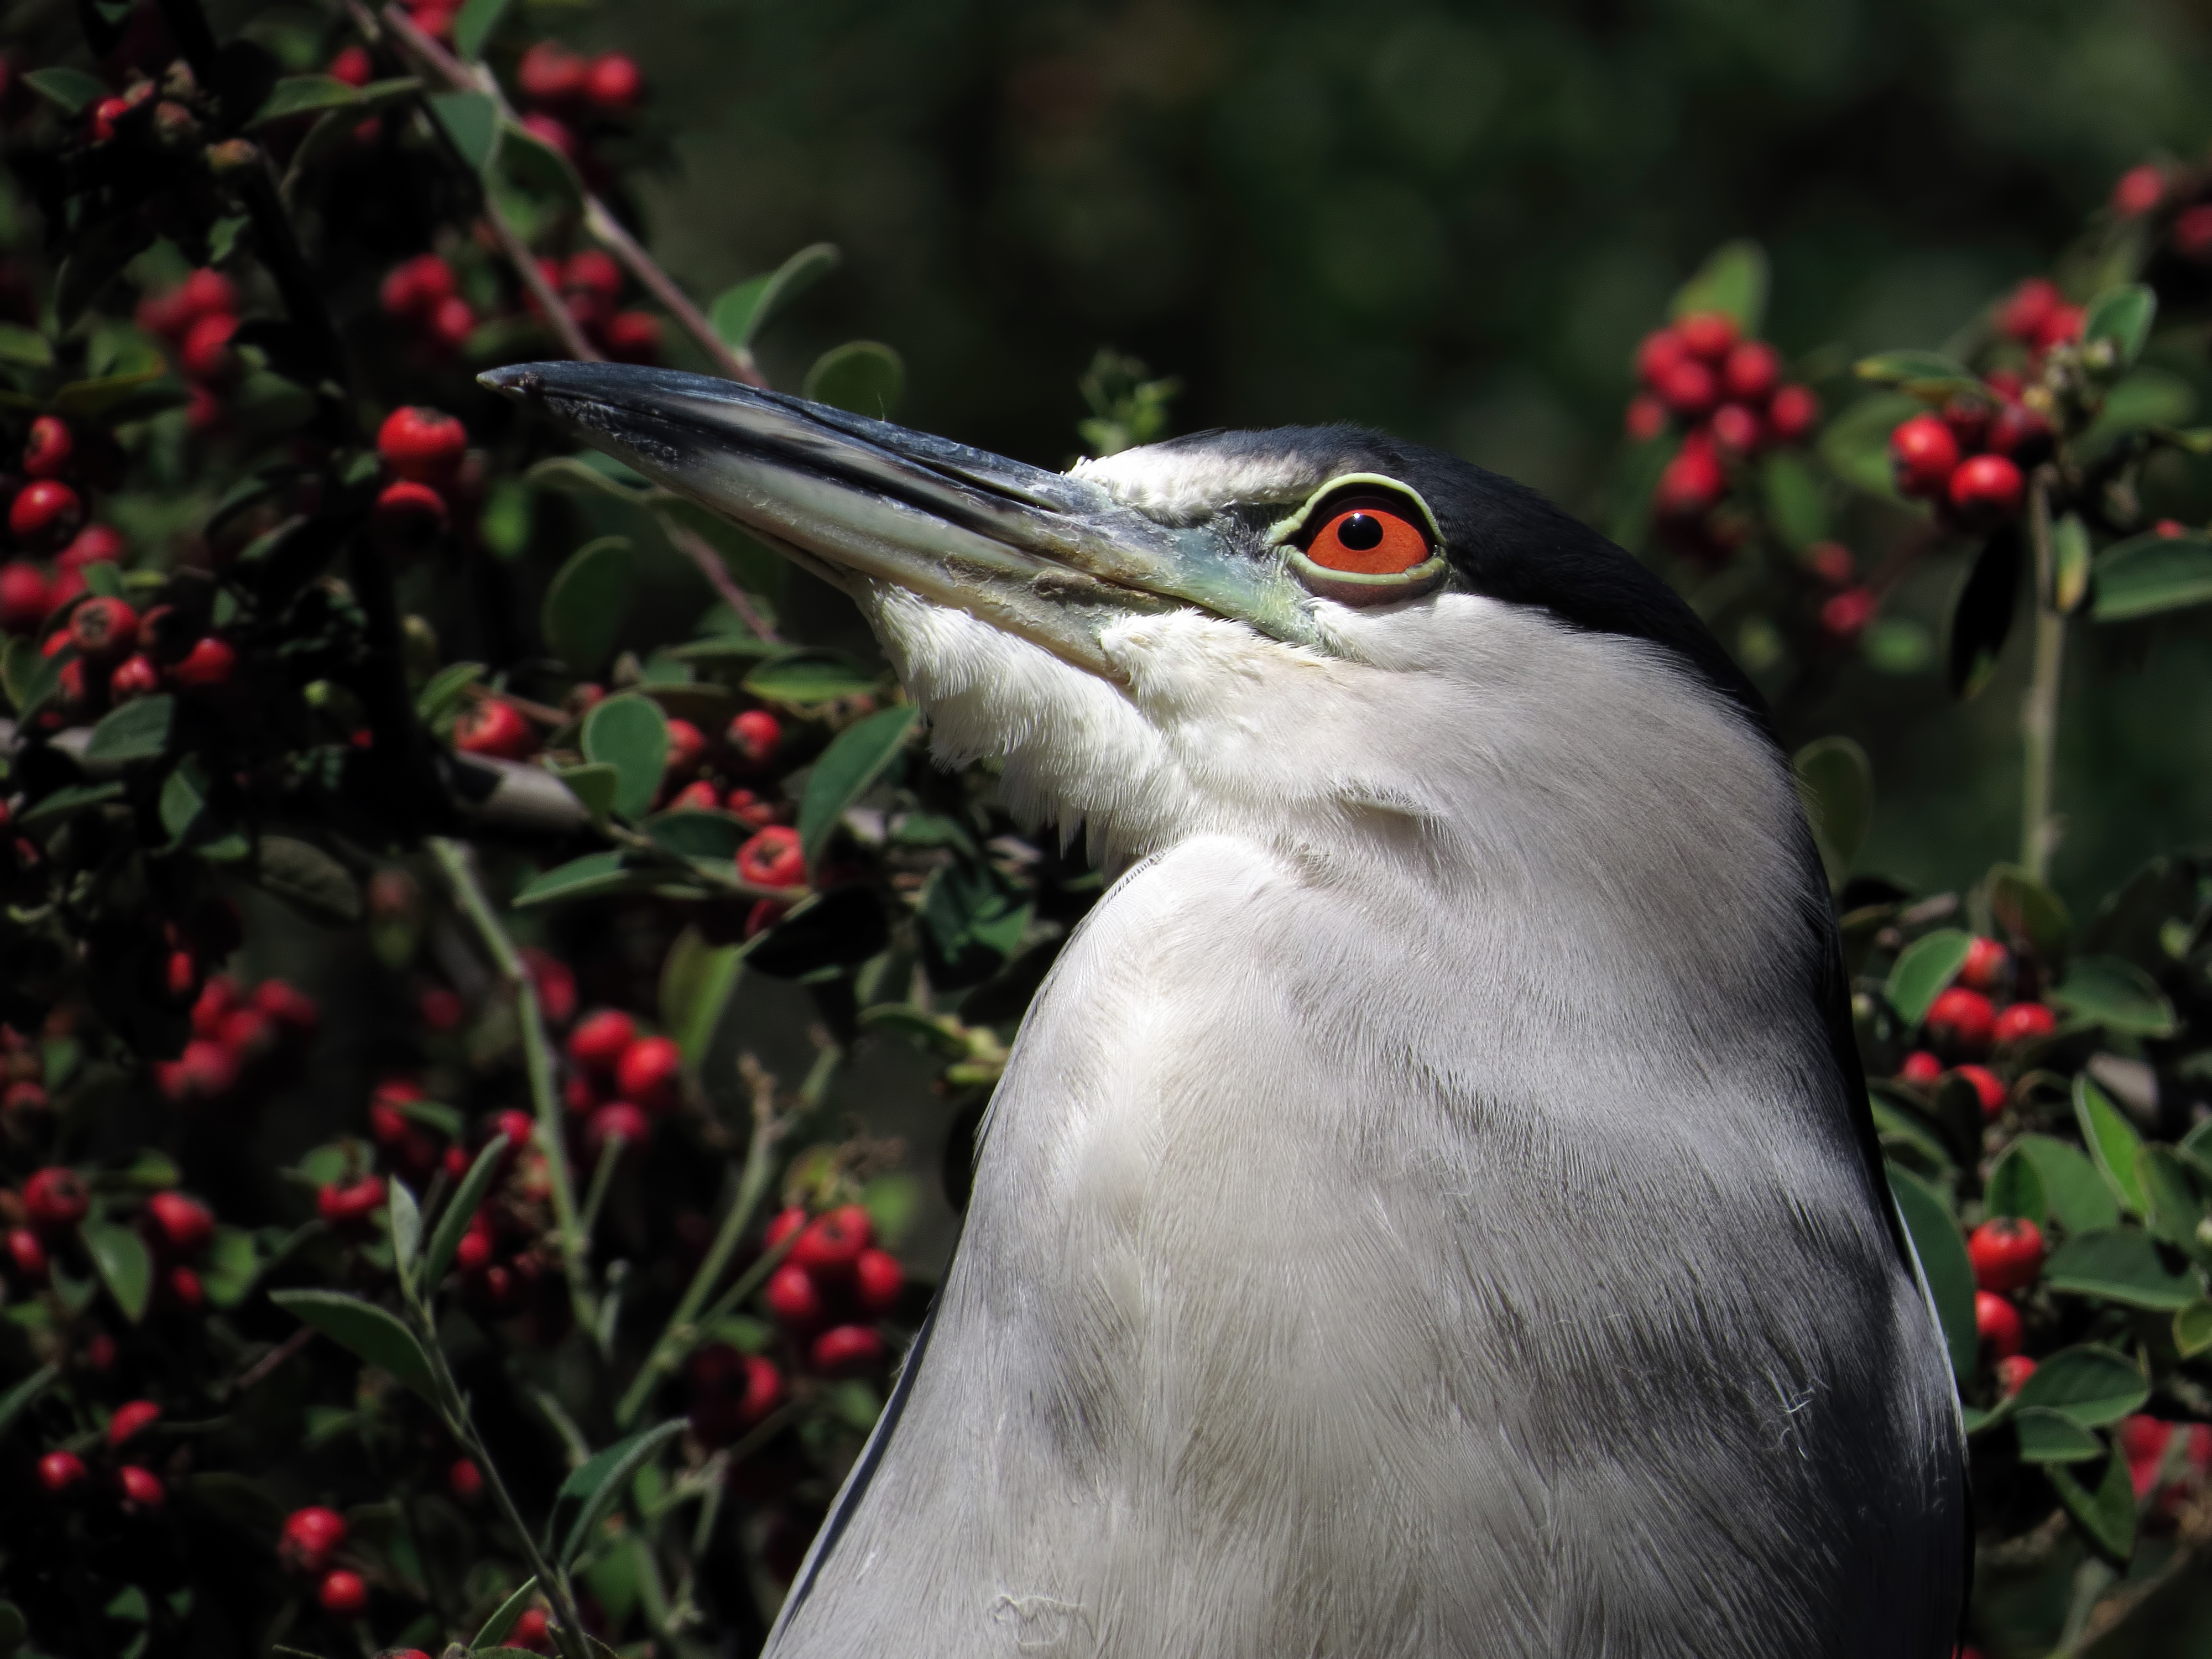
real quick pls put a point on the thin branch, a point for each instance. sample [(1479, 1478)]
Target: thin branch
[(270, 1361), (2039, 708), (697, 549), (526, 266)]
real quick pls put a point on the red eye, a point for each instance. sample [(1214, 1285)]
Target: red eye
[(1369, 538)]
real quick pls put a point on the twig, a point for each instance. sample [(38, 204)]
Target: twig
[(454, 859), (701, 552), (2039, 708), (526, 266), (270, 1361)]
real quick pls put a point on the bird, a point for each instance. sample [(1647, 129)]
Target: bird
[(1430, 1207)]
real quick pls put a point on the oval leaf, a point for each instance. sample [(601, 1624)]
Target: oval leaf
[(137, 731), (2121, 317), (2147, 574), (70, 88), (2118, 995), (864, 376), (2122, 1265), (589, 877), (805, 678), (2077, 1197), (372, 1333), (857, 757), (603, 1478), (471, 121), (2193, 1328), (2092, 1384), (477, 19), (1733, 282), (299, 94), (631, 734), (447, 1237), (402, 1218), (740, 313), (2105, 1514), (1923, 374), (1837, 782), (2049, 1437), (502, 1620), (2113, 1143), (1923, 969), (2032, 916), (585, 606), (307, 878), (2015, 1189), (1942, 1255), (2177, 1209)]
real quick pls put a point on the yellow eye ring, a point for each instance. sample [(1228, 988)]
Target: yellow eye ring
[(1363, 546)]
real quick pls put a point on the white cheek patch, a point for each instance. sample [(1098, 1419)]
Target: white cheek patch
[(1180, 484)]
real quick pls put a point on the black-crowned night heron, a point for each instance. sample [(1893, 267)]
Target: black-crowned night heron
[(1431, 1208)]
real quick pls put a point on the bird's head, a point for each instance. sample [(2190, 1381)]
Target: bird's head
[(1318, 636)]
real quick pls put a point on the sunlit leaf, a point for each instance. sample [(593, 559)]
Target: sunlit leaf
[(2092, 1384), (1923, 969), (2122, 1265), (853, 761)]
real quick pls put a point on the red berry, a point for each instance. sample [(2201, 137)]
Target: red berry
[(2007, 1254), (2028, 308), (530, 1631), (519, 1129), (492, 725), (439, 1009), (2168, 529), (2062, 326), (788, 1222), (415, 288), (410, 515), (614, 84), (287, 1004), (1647, 417), (207, 293), (248, 1033), (616, 1117), (554, 981), (749, 808), (424, 445), (697, 796), (94, 544), (1969, 421), (633, 337), (105, 114), (58, 1471), (687, 748), (310, 1537), (648, 1071), (880, 1280), (773, 858), (342, 1592), (352, 66), (2013, 1372), (1707, 334), (132, 1418), (1845, 615), (25, 597), (552, 131), (45, 514), (134, 677), (1832, 562), (1920, 1066), (206, 354), (475, 1251), (1659, 351), (1960, 1019), (1988, 1088), (592, 271), (2020, 432), (2023, 1022), (103, 629), (1688, 387), (2192, 232), (351, 1203), (1924, 453), (793, 1297), (140, 1490), (451, 323), (844, 1349), (833, 1242), (181, 1224), (209, 664), (27, 1255), (1998, 1322), (600, 1040), (1986, 489), (551, 74), (464, 1480), (1988, 965), (1752, 370), (46, 455), (55, 1197), (2138, 191), (763, 1390), (755, 734), (1791, 413), (1736, 430)]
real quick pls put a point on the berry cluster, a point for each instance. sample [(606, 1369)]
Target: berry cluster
[(590, 284), (1972, 1017), (1729, 396), (196, 319), (570, 98), (243, 1043), (425, 451)]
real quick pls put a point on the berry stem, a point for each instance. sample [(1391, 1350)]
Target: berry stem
[(738, 365), (2039, 708), (455, 860)]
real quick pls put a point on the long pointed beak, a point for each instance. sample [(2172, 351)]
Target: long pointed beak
[(1051, 558)]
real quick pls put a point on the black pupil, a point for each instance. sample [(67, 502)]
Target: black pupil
[(1360, 530)]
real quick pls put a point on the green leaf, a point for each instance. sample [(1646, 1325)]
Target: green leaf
[(2176, 1207), (445, 1238), (124, 1266), (73, 89), (2113, 1143), (2069, 557), (473, 28), (590, 876), (535, 165), (2030, 914), (594, 785), (2016, 1188), (1732, 281), (602, 1480), (2149, 574), (2078, 1198), (307, 879), (2122, 1265), (2115, 993), (740, 313), (25, 1395), (298, 95), (2148, 398), (402, 1218), (1942, 1255), (1921, 374), (1794, 503), (101, 577), (368, 1331), (864, 376), (804, 677), (2123, 317), (1923, 969), (66, 802), (502, 1620), (695, 835), (27, 346), (137, 731), (631, 734), (444, 689), (2193, 1328), (2049, 1437), (696, 980), (471, 121), (1904, 1130), (1982, 615), (2106, 1515), (2092, 1384), (232, 1265), (1836, 782), (89, 400), (853, 761), (586, 602)]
